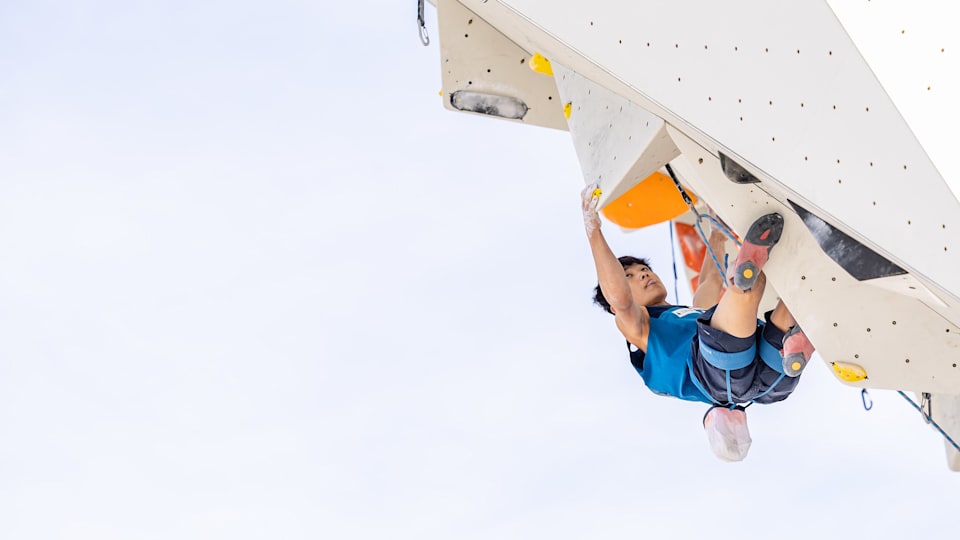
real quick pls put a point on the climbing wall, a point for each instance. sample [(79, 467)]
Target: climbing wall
[(787, 116), (773, 107), (924, 88), (478, 61)]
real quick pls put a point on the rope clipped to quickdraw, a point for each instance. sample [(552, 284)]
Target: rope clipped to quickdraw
[(929, 419), (926, 405), (715, 222), (424, 38)]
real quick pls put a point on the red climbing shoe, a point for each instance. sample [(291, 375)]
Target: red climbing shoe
[(797, 351), (762, 236)]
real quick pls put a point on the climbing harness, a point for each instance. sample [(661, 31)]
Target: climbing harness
[(424, 38), (716, 223), (926, 402)]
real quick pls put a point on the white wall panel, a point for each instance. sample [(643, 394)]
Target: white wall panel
[(782, 88), (618, 143)]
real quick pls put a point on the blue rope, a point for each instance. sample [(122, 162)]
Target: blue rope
[(716, 223), (721, 267), (930, 420)]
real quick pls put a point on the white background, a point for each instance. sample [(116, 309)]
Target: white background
[(255, 282)]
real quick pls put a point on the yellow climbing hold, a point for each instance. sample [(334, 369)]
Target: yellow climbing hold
[(566, 110), (597, 192), (849, 372), (541, 65), (796, 366), (747, 273), (441, 93)]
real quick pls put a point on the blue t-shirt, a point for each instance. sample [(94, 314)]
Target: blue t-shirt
[(665, 368)]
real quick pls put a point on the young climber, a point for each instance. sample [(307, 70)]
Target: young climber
[(715, 353)]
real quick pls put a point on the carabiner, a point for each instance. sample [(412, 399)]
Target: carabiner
[(424, 38)]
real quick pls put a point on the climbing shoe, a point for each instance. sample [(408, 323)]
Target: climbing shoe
[(762, 236), (797, 351)]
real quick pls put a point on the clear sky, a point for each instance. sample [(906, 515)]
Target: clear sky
[(255, 282)]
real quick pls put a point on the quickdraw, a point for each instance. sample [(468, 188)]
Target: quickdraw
[(422, 26)]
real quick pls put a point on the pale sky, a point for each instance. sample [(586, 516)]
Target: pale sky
[(255, 282)]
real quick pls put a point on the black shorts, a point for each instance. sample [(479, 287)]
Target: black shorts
[(740, 370)]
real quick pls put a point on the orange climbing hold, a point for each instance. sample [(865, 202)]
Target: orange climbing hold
[(654, 200)]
